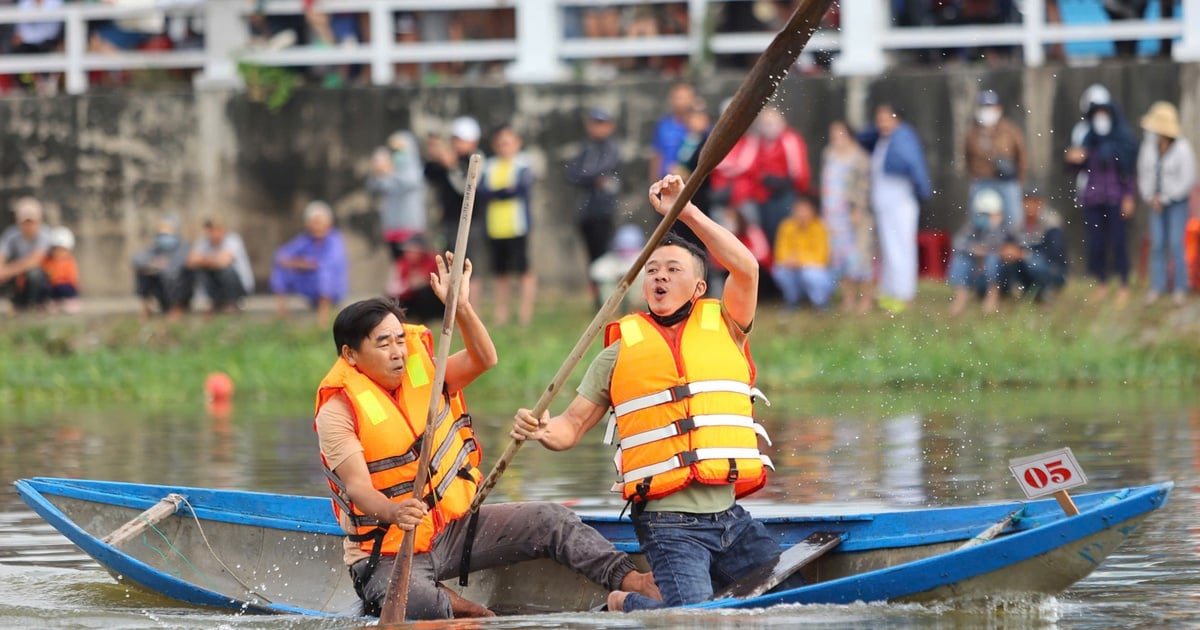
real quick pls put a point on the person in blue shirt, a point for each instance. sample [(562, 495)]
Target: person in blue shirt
[(671, 130), (313, 264)]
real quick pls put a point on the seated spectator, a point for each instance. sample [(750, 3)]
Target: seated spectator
[(62, 274), (409, 282), (607, 270), (127, 33), (1034, 258), (219, 261), (160, 272), (802, 268), (313, 265), (398, 179), (975, 260), (39, 38), (23, 247)]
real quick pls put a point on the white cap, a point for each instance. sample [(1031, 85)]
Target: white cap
[(61, 236), (1096, 94), (465, 128)]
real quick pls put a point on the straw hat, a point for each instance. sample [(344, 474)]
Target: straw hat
[(1162, 119)]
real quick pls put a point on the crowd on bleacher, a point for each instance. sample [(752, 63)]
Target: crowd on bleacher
[(156, 29)]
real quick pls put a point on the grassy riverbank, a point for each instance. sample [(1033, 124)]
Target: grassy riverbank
[(65, 361)]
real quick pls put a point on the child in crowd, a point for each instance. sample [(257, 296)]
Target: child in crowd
[(504, 191), (975, 261), (62, 273), (409, 283), (607, 270), (802, 268)]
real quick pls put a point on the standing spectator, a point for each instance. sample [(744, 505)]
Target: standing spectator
[(410, 285), (504, 191), (596, 172), (160, 272), (1166, 175), (699, 124), (670, 130), (397, 180), (802, 257), (1107, 157), (1034, 257), (899, 182), (845, 183), (219, 261), (39, 38), (62, 274), (313, 264), (446, 171), (23, 247), (975, 261), (995, 155)]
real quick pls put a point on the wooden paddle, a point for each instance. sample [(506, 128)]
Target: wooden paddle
[(395, 603), (754, 92)]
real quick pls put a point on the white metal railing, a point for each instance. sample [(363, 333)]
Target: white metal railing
[(539, 50)]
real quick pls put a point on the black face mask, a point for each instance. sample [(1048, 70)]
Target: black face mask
[(680, 314)]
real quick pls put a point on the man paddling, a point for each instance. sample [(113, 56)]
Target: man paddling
[(680, 382), (370, 414)]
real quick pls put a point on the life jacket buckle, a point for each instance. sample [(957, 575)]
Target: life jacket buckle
[(679, 392), (684, 425), (687, 458)]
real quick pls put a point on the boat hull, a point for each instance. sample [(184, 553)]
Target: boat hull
[(283, 554)]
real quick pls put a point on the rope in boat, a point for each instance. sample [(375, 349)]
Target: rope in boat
[(200, 528)]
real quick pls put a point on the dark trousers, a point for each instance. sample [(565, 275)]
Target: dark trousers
[(507, 533), (1106, 230), (27, 290), (169, 289), (223, 286)]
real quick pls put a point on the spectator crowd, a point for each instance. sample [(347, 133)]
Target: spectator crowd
[(850, 229)]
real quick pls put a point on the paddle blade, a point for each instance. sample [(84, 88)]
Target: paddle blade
[(769, 575)]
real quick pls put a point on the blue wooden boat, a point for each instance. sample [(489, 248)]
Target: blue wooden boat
[(274, 553)]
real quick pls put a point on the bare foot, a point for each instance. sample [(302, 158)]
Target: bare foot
[(616, 601), (1122, 297), (1099, 294)]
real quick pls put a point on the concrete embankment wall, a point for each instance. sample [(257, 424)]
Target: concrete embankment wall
[(108, 164)]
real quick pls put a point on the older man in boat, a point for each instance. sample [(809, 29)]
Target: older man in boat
[(680, 382), (370, 417)]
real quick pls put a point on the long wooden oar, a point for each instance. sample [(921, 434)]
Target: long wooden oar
[(754, 92), (395, 603)]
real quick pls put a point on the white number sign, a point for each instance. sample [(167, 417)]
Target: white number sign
[(1047, 473)]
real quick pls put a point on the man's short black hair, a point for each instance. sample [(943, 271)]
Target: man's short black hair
[(698, 254), (355, 322)]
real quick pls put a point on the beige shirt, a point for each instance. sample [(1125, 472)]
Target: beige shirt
[(339, 441)]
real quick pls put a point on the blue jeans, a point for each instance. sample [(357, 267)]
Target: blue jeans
[(692, 555), (1166, 240), (974, 272), (816, 284)]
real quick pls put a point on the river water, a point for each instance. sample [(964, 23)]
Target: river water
[(862, 451)]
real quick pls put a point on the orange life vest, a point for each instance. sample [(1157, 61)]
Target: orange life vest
[(684, 413), (389, 431)]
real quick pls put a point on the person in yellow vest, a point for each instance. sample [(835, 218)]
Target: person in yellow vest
[(681, 386), (504, 193), (371, 412), (801, 268)]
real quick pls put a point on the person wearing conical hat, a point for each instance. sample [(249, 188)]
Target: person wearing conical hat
[(1166, 174)]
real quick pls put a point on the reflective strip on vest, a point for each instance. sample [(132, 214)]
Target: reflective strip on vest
[(414, 452), (679, 427), (691, 457), (679, 392)]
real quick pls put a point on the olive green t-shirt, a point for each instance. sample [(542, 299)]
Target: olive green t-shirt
[(696, 498)]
